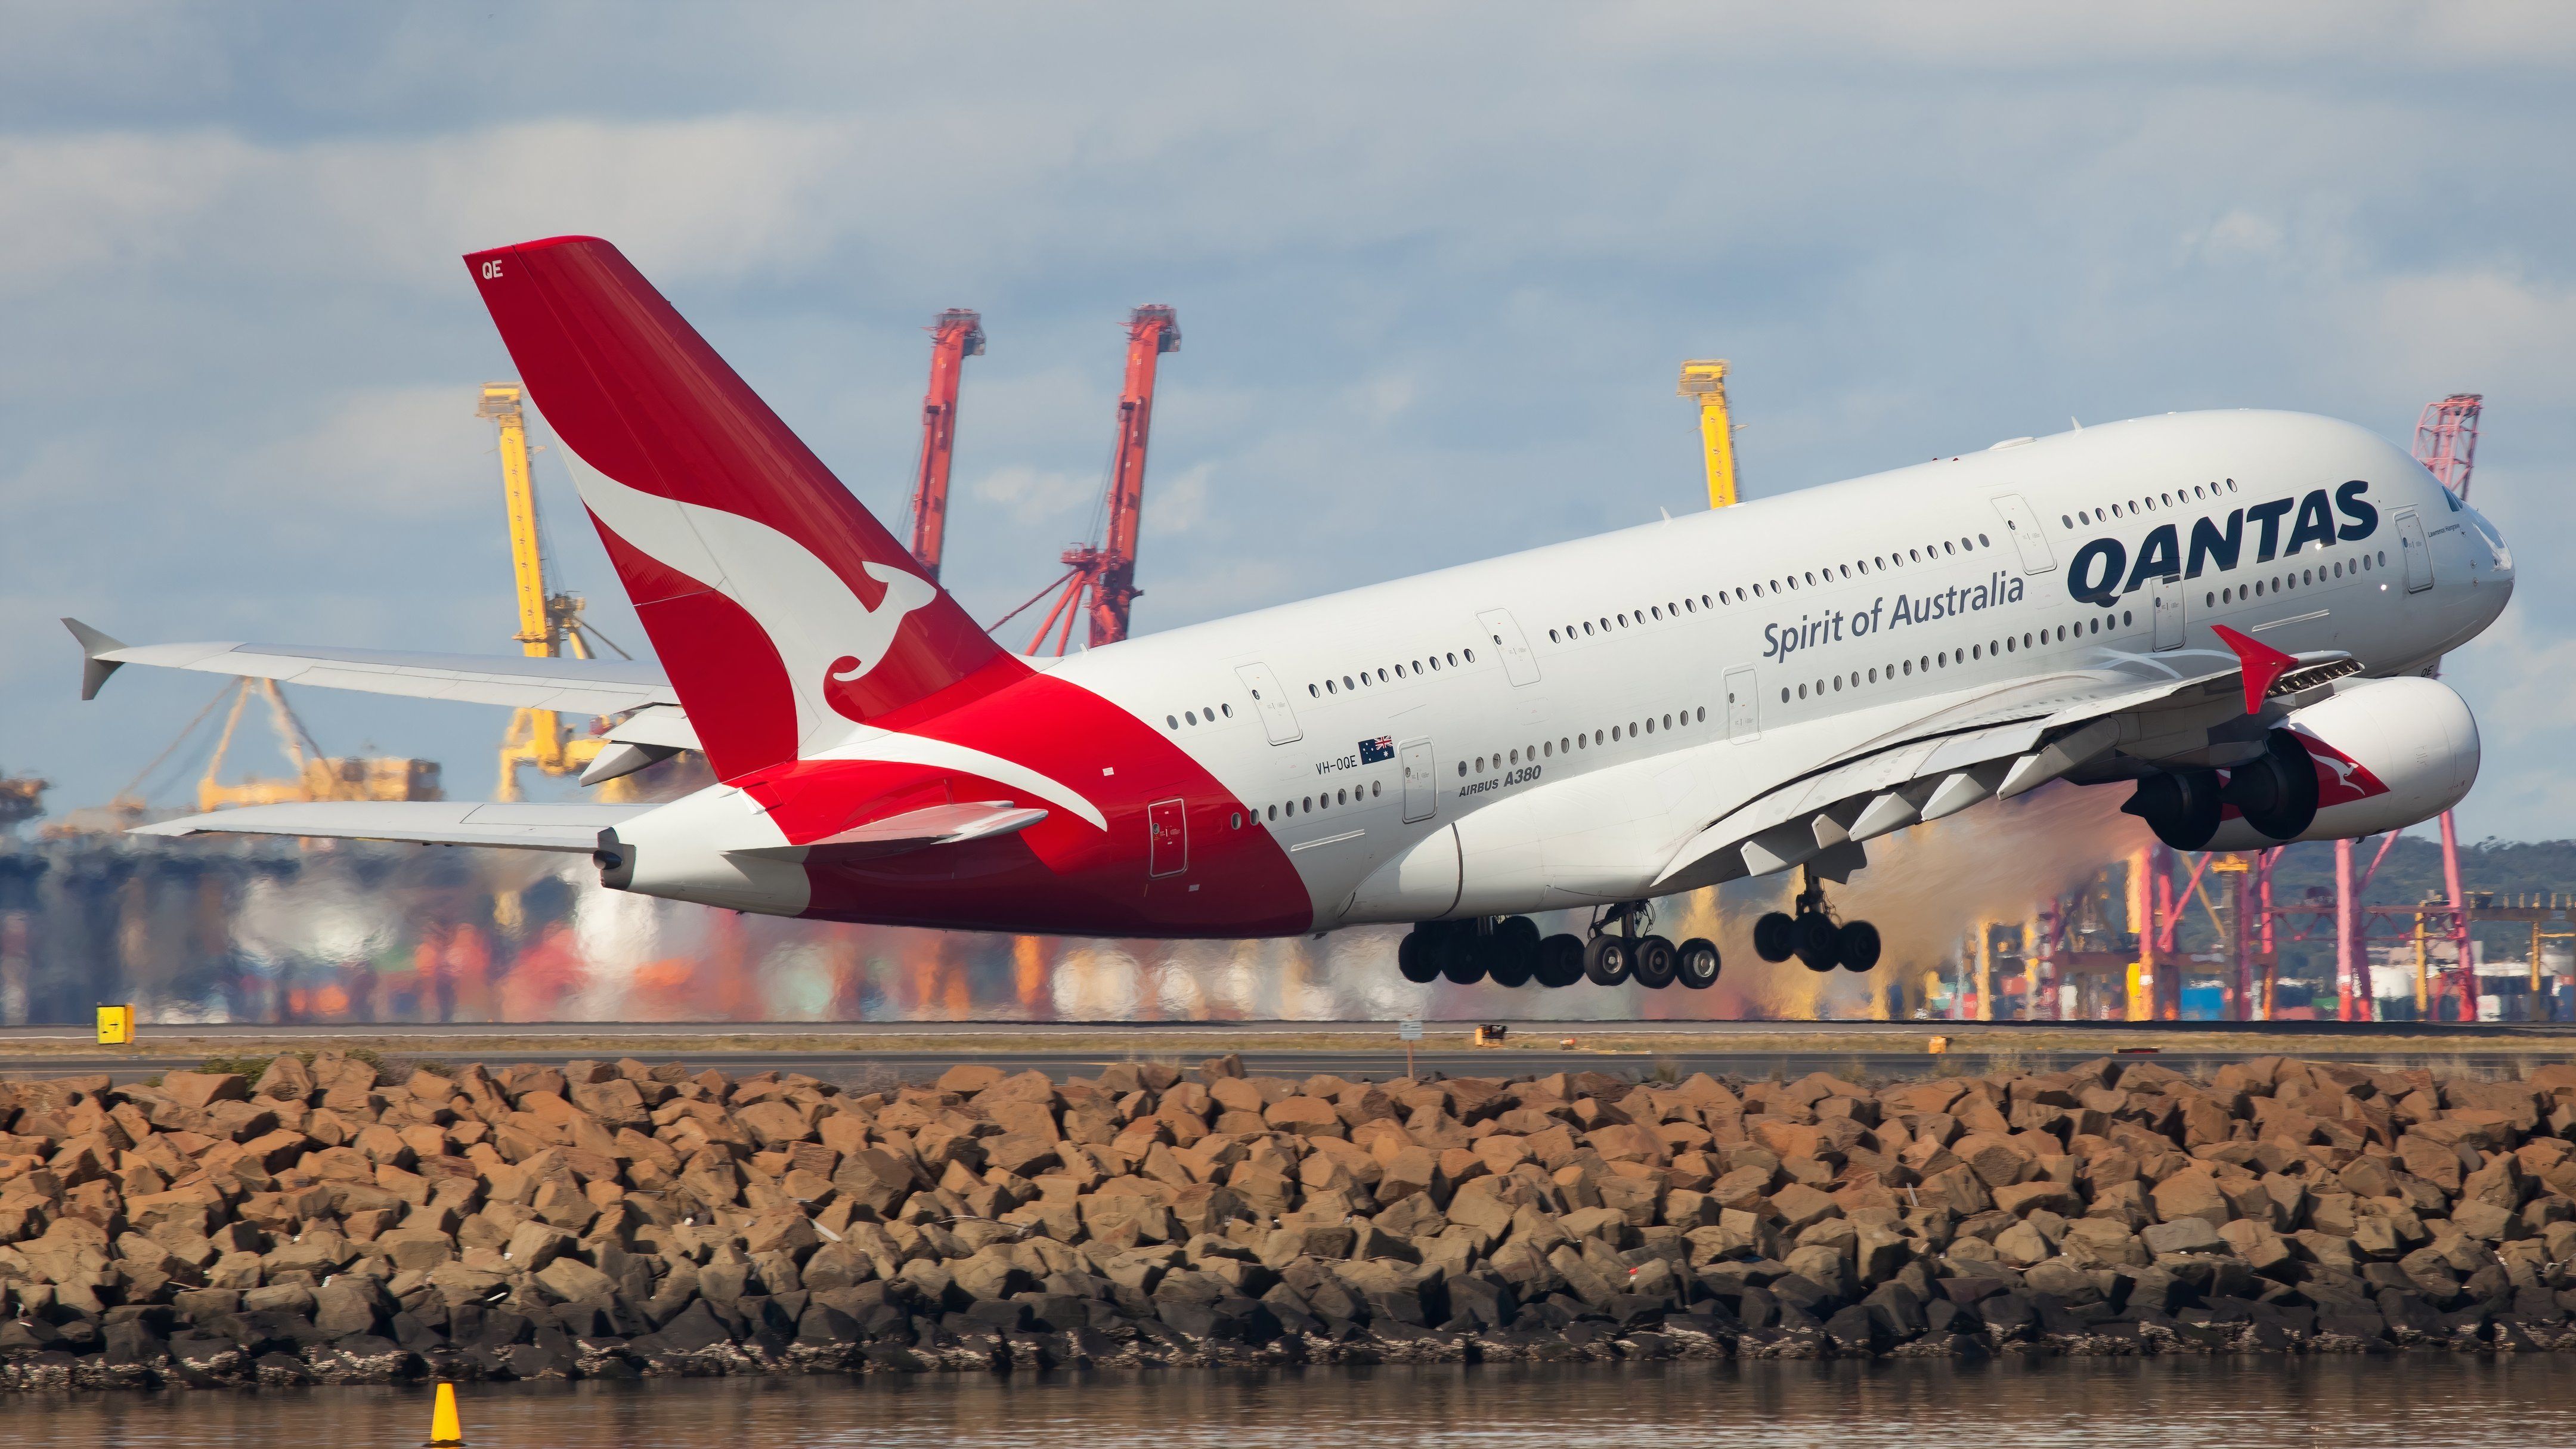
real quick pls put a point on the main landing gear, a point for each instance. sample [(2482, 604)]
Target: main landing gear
[(1510, 952), (1813, 936)]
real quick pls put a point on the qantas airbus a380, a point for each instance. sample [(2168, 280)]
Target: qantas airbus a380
[(2231, 616)]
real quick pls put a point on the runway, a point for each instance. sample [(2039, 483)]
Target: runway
[(897, 1052)]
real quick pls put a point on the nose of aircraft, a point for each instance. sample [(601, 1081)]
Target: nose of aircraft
[(2492, 575)]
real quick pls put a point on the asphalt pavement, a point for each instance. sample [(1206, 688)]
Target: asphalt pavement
[(842, 1052)]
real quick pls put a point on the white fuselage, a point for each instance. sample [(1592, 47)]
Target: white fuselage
[(1583, 709)]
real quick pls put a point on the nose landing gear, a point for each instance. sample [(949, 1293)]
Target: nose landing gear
[(1813, 935)]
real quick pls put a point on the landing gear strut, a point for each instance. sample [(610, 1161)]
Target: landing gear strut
[(1813, 935)]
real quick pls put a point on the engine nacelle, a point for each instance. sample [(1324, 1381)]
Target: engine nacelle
[(2389, 753)]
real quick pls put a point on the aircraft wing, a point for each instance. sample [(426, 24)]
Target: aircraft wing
[(572, 828), (2002, 743), (571, 686)]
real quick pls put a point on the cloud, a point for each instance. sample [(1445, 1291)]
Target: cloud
[(1436, 266), (1177, 505), (1032, 496)]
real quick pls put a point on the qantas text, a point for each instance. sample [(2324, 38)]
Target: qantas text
[(2102, 570)]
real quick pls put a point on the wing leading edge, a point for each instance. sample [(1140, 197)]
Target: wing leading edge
[(570, 828)]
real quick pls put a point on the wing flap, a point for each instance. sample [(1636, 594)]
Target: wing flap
[(2010, 740), (571, 828)]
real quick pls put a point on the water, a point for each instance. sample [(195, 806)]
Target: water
[(2424, 1401)]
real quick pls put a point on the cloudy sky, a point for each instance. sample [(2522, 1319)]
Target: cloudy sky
[(1435, 267)]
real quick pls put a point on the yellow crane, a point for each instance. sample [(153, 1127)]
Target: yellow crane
[(317, 776), (1706, 381), (549, 623)]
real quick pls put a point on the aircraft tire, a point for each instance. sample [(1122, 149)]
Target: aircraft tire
[(1461, 960), (1819, 943), (1510, 961), (1654, 963), (1775, 937), (1696, 963), (1560, 960), (1414, 958), (1859, 946), (1606, 961)]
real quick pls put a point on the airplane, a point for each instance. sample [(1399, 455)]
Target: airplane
[(2233, 614)]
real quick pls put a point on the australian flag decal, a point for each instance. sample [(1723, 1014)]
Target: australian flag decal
[(1378, 750)]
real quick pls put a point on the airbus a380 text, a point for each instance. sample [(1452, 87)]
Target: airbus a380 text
[(2231, 617)]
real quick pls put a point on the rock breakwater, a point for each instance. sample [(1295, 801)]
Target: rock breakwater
[(326, 1222)]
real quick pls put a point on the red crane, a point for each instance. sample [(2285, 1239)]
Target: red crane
[(1107, 571), (2446, 439), (956, 336)]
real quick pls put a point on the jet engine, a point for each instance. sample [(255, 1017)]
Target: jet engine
[(2388, 753)]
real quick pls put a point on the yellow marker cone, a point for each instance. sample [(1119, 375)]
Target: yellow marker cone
[(444, 1430)]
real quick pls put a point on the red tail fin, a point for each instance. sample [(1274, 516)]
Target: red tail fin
[(783, 611)]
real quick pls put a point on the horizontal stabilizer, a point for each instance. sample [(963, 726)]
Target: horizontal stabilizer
[(914, 830), (416, 822), (571, 686)]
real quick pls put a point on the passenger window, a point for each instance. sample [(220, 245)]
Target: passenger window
[(1471, 656), (1703, 714), (1173, 722), (1190, 715), (1341, 797), (1376, 788)]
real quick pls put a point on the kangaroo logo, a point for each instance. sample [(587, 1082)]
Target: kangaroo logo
[(2340, 778), (905, 591), (825, 633)]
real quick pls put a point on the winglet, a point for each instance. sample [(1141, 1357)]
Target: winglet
[(94, 670), (2261, 662)]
